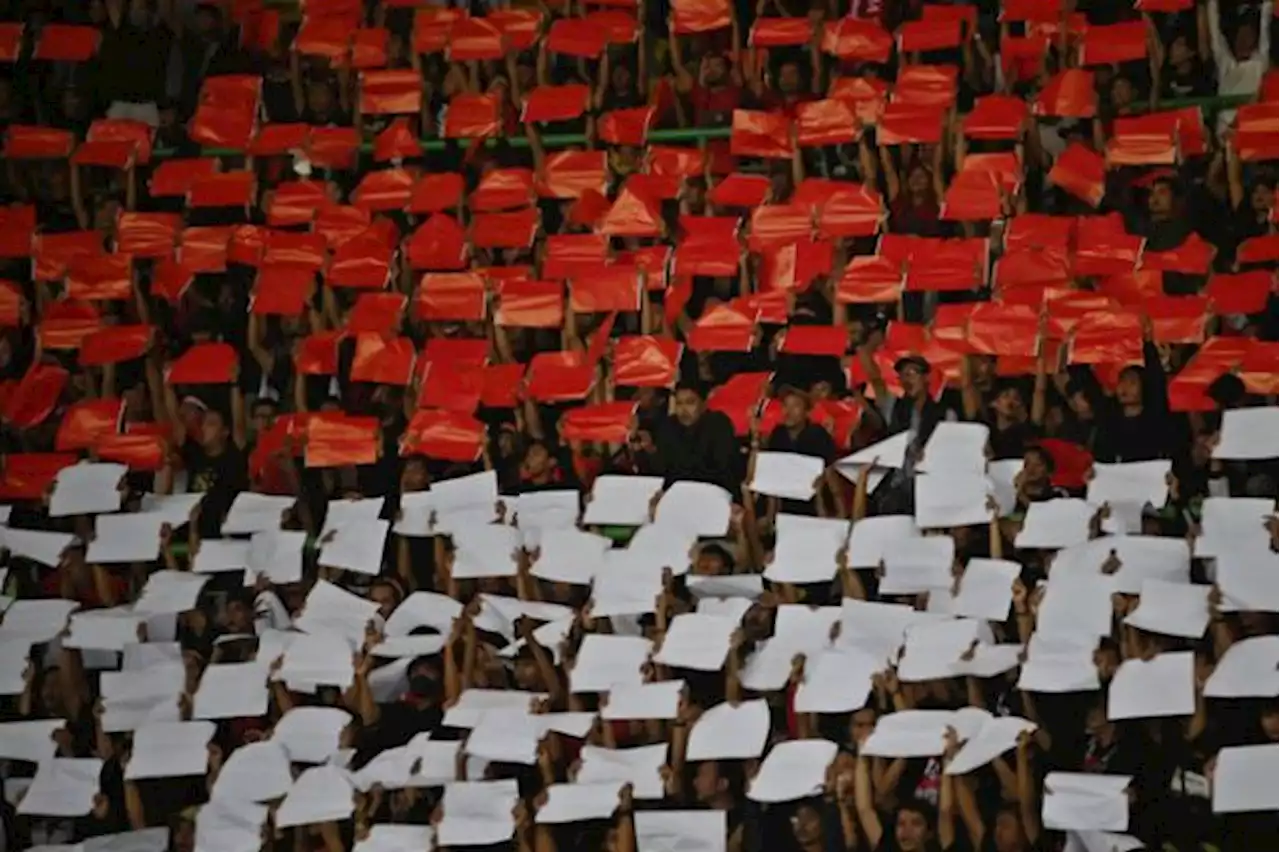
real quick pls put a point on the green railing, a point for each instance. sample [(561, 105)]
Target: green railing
[(1207, 106)]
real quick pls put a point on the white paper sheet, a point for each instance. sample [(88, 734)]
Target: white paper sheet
[(485, 551), (797, 629), (605, 662), (994, 738), (621, 500), (1101, 841), (1249, 433), (956, 499), (132, 699), (37, 545), (87, 489), (658, 700), (568, 803), (251, 512), (1248, 579), (277, 555), (697, 507), (505, 737), (1155, 688), (231, 690), (956, 447), (1130, 482), (1076, 605), (790, 476), (806, 549), (878, 628), (1233, 523), (356, 547), (342, 512), (569, 556), (329, 608), (625, 589), (725, 732), (423, 609), (745, 587), (30, 740), (310, 734), (872, 538), (890, 453), (142, 840), (228, 826), (919, 565), (640, 767), (1055, 524), (396, 838), (170, 750), (933, 649), (1247, 670), (986, 589), (476, 491), (321, 794), (62, 787), (37, 620), (989, 661), (837, 680), (320, 659), (1245, 779), (474, 703), (415, 519), (129, 537), (14, 653), (656, 546), (1059, 673), (477, 813), (216, 555), (102, 630), (696, 641), (681, 831), (1002, 474), (537, 512), (254, 772), (1085, 802), (170, 592), (792, 770), (909, 733), (1172, 609)]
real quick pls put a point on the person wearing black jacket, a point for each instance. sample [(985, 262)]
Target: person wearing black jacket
[(696, 444)]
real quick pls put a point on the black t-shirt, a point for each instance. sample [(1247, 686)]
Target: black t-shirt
[(133, 63), (1012, 442), (219, 477)]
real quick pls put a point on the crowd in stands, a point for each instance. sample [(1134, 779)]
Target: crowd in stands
[(639, 426)]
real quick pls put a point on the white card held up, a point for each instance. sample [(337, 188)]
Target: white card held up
[(37, 620), (129, 537), (986, 589), (255, 772), (277, 555), (478, 813), (1245, 780), (725, 732), (934, 648), (356, 547), (474, 491), (621, 500), (681, 831), (30, 740), (87, 489), (142, 840), (329, 608), (103, 630), (251, 512), (505, 737), (396, 838), (62, 787), (318, 659), (1172, 609), (569, 556), (474, 704), (806, 549), (321, 794), (956, 448), (132, 699), (1248, 579), (890, 453), (568, 803), (909, 733), (538, 511), (485, 551), (225, 825), (698, 642), (1102, 841), (170, 750), (607, 661), (1059, 673), (423, 609), (217, 555), (170, 592), (658, 700), (746, 587), (1249, 434), (875, 537), (919, 565), (230, 691), (836, 680), (790, 476), (39, 546), (1055, 524), (1130, 482), (994, 738), (1247, 670), (1076, 605), (1076, 801), (1228, 524), (698, 507), (952, 500), (1150, 689), (310, 734), (640, 767), (340, 513), (792, 770)]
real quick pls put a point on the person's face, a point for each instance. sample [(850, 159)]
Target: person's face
[(1160, 201), (1008, 404), (1008, 833), (1096, 724), (918, 181), (1033, 469), (1121, 92), (620, 78), (709, 563), (239, 617), (912, 378), (717, 70), (1271, 724), (1080, 406), (688, 407), (911, 830), (319, 98), (526, 674), (1179, 51), (1262, 198), (1129, 388), (415, 476), (1245, 42), (536, 460), (862, 724), (213, 430), (806, 825), (984, 369), (385, 598), (794, 411), (789, 79), (263, 417), (706, 781)]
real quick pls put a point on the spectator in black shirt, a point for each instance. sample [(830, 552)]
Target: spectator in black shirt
[(798, 434), (696, 444)]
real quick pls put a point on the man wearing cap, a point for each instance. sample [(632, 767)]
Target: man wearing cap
[(914, 411)]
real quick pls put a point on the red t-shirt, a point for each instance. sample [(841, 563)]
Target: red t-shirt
[(710, 104)]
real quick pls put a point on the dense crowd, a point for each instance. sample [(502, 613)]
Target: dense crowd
[(638, 426)]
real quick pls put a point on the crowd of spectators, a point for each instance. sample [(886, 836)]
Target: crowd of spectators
[(638, 426)]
